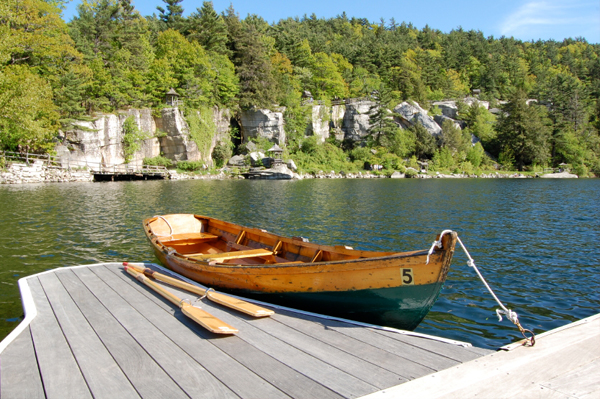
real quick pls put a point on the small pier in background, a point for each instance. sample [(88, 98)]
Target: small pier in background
[(99, 170), (95, 331)]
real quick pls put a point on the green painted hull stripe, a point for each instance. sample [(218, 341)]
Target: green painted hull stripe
[(400, 307)]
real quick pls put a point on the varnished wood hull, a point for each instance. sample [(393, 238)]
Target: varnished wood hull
[(388, 288)]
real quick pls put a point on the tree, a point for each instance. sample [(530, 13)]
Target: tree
[(28, 117), (382, 128), (255, 71), (523, 131), (208, 28), (172, 17), (454, 138), (34, 51), (327, 82), (424, 142)]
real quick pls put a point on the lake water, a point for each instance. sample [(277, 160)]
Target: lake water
[(535, 240)]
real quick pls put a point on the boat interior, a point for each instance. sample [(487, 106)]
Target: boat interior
[(215, 241)]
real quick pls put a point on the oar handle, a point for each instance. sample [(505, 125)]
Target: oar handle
[(168, 295), (169, 280)]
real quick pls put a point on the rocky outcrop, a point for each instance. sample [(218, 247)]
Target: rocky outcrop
[(412, 113), (355, 123), (263, 123), (100, 142), (175, 141)]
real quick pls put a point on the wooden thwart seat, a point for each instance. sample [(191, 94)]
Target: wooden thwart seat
[(188, 237), (250, 253)]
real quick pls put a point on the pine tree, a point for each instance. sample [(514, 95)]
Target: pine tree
[(523, 131), (172, 17), (208, 28), (255, 71), (382, 128)]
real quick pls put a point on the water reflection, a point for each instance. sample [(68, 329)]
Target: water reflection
[(536, 241)]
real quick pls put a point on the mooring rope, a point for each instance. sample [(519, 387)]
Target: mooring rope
[(512, 316)]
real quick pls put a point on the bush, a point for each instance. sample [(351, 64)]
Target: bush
[(158, 161), (411, 173), (190, 166), (222, 153)]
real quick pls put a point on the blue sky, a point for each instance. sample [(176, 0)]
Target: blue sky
[(524, 20)]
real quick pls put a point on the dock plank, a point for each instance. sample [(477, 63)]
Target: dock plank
[(316, 369), (20, 377), (288, 380), (96, 363), (429, 361), (61, 376), (239, 379), (148, 378), (322, 330), (188, 374), (439, 347), (340, 359)]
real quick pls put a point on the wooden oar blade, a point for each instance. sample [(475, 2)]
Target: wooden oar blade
[(239, 305), (206, 320)]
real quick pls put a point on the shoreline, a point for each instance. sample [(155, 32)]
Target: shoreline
[(37, 172)]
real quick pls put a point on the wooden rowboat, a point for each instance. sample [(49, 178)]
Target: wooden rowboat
[(395, 289)]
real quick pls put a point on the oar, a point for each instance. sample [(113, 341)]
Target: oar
[(225, 300), (205, 319)]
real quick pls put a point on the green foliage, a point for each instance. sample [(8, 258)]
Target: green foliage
[(383, 129), (523, 131), (475, 155), (425, 143), (28, 118), (222, 152), (190, 166), (132, 138), (322, 157), (411, 173), (208, 28), (443, 160), (109, 58), (158, 161), (202, 127)]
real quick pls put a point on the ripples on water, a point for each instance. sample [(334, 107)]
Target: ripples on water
[(535, 241)]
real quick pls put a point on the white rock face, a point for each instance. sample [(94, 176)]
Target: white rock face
[(411, 114), (262, 123), (319, 125), (100, 143), (176, 144), (448, 108), (356, 120)]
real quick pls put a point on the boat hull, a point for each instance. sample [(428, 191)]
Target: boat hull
[(395, 289)]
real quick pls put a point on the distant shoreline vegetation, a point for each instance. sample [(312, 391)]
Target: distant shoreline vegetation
[(110, 58)]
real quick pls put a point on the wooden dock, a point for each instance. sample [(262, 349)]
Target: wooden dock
[(94, 331), (564, 363)]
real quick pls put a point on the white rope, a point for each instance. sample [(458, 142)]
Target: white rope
[(437, 244), (512, 316)]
